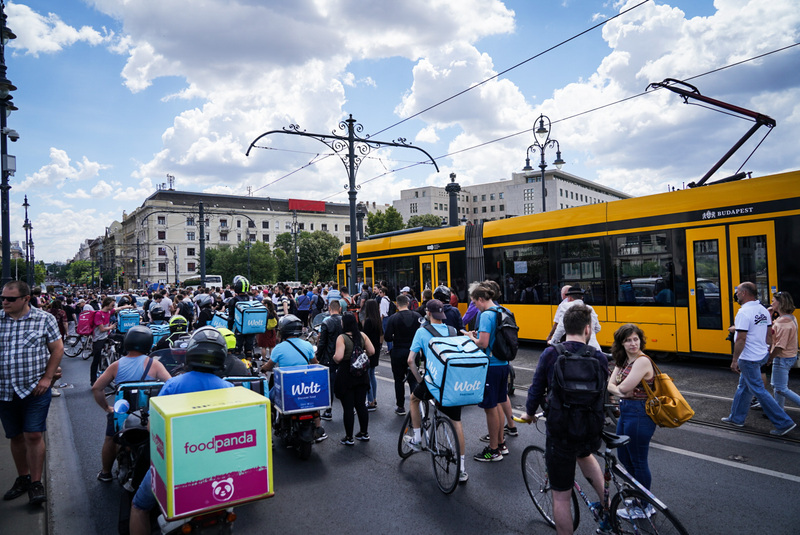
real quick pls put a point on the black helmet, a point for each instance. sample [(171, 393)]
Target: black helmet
[(178, 324), (442, 293), (203, 300), (241, 285), (157, 313), (138, 338), (206, 350), (290, 326), (123, 301)]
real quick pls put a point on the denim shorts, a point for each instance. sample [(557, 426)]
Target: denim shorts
[(496, 390), (144, 499), (28, 415)]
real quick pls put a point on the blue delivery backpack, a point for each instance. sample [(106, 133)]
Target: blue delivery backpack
[(127, 319), (159, 332), (220, 319), (455, 370), (250, 318)]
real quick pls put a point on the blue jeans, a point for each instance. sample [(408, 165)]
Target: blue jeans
[(635, 423), (385, 322), (780, 381), (372, 395), (750, 384), (144, 499)]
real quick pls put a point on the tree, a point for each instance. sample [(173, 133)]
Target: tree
[(424, 220), (229, 262), (316, 259), (380, 222)]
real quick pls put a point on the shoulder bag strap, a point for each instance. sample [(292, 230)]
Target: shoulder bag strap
[(146, 369), (298, 350)]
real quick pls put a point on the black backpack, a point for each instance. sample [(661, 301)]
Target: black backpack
[(576, 398), (186, 310), (392, 306), (506, 337)]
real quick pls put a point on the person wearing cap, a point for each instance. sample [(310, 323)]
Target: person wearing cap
[(435, 315), (413, 304), (575, 296)]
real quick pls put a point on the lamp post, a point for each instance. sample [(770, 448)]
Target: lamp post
[(453, 189), (8, 162), (542, 140), (27, 227)]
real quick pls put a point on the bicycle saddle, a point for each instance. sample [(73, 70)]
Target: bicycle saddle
[(614, 441)]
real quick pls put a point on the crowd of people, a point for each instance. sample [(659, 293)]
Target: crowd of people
[(33, 327)]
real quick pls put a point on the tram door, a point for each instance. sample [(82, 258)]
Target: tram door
[(435, 270), (368, 274), (717, 263), (341, 275)]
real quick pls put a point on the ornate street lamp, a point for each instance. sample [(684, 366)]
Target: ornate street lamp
[(8, 163), (542, 140)]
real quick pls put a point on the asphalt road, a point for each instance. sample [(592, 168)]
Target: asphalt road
[(714, 479)]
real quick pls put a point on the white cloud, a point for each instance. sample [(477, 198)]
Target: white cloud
[(61, 170), (64, 231), (48, 34), (137, 195), (77, 194), (101, 189)]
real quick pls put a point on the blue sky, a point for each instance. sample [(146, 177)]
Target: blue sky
[(114, 95)]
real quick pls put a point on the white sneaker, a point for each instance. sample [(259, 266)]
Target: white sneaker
[(415, 446), (630, 511), (463, 477)]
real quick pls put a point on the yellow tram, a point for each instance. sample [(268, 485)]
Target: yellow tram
[(669, 262)]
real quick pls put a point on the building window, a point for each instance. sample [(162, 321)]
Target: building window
[(416, 194), (491, 196), (189, 221), (301, 226), (162, 234), (423, 193), (347, 228), (483, 209), (238, 223), (162, 251), (190, 267), (190, 251), (162, 220), (252, 237), (501, 195), (527, 208), (265, 238), (312, 227), (223, 223), (238, 236), (413, 208), (475, 210), (502, 207), (190, 236), (325, 227), (483, 197), (492, 208), (289, 226), (265, 225), (336, 227), (475, 199), (560, 192), (223, 237), (251, 224), (162, 267), (527, 194)]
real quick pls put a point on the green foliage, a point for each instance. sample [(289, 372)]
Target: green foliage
[(229, 262), (380, 222), (424, 220), (80, 272), (316, 259)]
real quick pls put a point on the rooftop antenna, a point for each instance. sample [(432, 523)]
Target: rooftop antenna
[(171, 181)]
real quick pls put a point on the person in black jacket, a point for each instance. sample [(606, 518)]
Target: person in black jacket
[(329, 331), (242, 288), (400, 329)]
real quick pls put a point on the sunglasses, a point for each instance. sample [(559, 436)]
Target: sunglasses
[(11, 299)]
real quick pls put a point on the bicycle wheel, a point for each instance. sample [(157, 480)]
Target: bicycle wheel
[(72, 346), (446, 455), (86, 345), (632, 511), (402, 447), (534, 472)]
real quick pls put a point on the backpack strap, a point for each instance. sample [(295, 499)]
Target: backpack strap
[(146, 369), (450, 330), (298, 350)]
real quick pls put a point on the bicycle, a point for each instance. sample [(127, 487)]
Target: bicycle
[(633, 509), (440, 440), (109, 353), (76, 344)]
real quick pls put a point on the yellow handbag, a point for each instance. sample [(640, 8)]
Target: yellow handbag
[(665, 406)]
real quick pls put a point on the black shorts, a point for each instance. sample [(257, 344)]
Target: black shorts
[(560, 460), (422, 392)]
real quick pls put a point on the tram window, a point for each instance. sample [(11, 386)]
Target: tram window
[(753, 265), (643, 277), (581, 263), (707, 288), (521, 272)]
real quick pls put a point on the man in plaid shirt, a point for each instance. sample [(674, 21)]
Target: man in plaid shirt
[(30, 352)]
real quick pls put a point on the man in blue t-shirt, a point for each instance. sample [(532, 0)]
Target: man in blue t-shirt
[(292, 351), (205, 355), (435, 315)]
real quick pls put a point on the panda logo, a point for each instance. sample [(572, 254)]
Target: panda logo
[(223, 490)]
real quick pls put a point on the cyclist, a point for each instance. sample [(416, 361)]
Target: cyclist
[(102, 329), (242, 288), (205, 355), (435, 315), (293, 351), (135, 365), (178, 328), (561, 455)]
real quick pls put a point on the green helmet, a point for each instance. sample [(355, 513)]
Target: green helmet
[(230, 338), (241, 285), (178, 324)]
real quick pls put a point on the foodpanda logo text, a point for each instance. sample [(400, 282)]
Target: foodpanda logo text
[(220, 443)]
